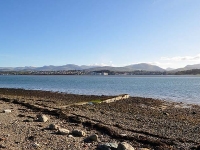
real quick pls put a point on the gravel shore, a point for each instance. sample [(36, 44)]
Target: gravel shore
[(141, 122)]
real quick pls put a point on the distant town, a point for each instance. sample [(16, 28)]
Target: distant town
[(101, 72)]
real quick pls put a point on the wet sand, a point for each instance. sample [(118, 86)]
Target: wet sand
[(141, 122)]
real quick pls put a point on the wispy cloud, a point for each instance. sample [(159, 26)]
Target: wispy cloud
[(182, 58), (159, 63), (110, 63), (154, 63)]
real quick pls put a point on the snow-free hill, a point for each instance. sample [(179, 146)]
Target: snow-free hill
[(188, 67), (47, 68), (144, 66)]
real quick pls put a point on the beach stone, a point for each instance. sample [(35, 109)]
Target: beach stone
[(36, 145), (53, 127), (7, 111), (194, 113), (78, 133), (198, 147), (165, 113), (32, 138), (75, 119), (70, 136), (123, 135), (2, 146), (124, 146), (108, 146), (42, 118), (63, 131), (93, 137), (30, 120)]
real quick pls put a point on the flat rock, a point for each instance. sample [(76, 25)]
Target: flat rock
[(123, 135), (63, 131), (78, 133), (108, 146), (7, 111), (28, 120), (124, 146)]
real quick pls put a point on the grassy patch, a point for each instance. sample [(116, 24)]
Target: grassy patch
[(96, 101)]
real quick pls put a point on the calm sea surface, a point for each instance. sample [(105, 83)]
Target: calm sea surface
[(172, 88)]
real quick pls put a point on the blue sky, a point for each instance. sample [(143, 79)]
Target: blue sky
[(102, 32)]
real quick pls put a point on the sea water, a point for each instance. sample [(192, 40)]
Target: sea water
[(171, 88)]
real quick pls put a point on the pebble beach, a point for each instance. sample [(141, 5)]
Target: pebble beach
[(31, 119)]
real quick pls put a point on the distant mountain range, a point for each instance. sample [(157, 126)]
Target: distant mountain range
[(141, 66), (47, 68), (188, 67)]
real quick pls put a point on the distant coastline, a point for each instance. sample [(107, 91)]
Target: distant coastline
[(102, 72)]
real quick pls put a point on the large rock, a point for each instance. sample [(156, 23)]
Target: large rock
[(63, 131), (93, 137), (42, 118), (124, 146), (53, 127), (78, 133), (108, 146)]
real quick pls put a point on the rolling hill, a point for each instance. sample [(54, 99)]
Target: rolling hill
[(133, 67), (141, 66)]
